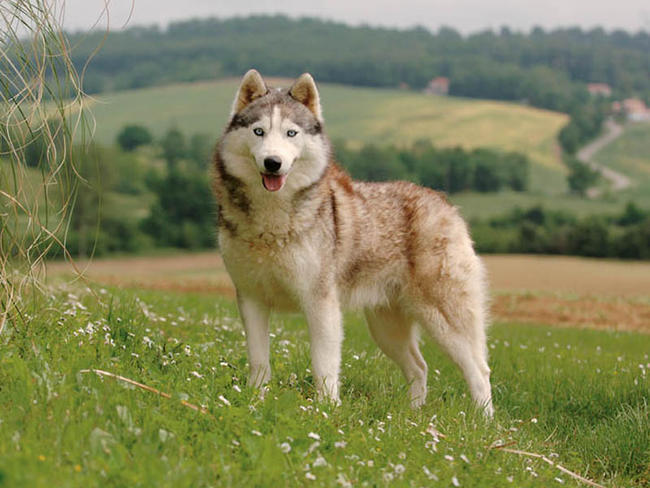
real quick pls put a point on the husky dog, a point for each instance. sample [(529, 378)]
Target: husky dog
[(296, 233)]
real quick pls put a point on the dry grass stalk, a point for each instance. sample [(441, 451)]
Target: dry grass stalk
[(549, 461), (142, 386)]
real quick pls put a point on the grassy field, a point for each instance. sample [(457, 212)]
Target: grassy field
[(630, 155), (356, 115), (578, 397)]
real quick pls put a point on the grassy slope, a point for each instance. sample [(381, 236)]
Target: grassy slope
[(630, 155), (357, 115), (586, 390)]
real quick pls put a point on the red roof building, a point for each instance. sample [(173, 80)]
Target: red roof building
[(438, 86), (599, 89)]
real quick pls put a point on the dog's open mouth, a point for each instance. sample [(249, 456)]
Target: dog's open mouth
[(273, 182)]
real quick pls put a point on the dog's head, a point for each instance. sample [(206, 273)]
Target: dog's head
[(275, 137)]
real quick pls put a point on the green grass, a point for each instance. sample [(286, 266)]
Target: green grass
[(357, 115), (484, 205), (577, 396), (630, 155)]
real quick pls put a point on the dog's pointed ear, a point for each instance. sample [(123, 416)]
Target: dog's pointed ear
[(304, 90), (252, 86)]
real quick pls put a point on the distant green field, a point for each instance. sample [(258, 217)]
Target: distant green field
[(630, 155), (485, 205), (357, 115)]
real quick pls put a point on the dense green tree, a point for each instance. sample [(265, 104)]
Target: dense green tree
[(133, 136), (183, 214), (581, 176), (173, 147)]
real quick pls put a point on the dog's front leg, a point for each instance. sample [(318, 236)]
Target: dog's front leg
[(256, 323), (326, 335)]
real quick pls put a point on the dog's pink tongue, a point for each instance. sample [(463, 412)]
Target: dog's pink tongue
[(273, 182)]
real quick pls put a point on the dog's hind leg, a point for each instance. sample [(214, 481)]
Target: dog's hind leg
[(256, 323), (397, 337), (459, 329)]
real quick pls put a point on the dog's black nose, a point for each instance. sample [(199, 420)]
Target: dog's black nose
[(272, 163)]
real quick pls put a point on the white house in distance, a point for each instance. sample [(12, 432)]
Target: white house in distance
[(438, 86), (634, 109)]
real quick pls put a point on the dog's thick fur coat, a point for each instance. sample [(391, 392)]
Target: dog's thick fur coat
[(304, 236)]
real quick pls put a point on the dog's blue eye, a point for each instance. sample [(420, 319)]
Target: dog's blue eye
[(291, 133), (258, 131)]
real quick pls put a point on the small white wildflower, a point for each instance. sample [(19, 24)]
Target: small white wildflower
[(454, 481), (147, 342), (320, 461), (197, 374), (388, 476), (224, 400), (559, 480), (464, 458), (256, 432), (402, 455), (429, 474), (343, 481), (285, 447), (340, 444), (187, 349), (533, 420), (313, 435), (399, 469), (310, 476), (510, 479), (236, 388), (449, 458)]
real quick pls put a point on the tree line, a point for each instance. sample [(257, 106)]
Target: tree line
[(541, 231), (451, 170), (546, 68)]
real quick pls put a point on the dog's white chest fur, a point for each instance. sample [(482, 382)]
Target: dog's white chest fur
[(273, 269)]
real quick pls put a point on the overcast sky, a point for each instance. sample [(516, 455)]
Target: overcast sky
[(464, 15)]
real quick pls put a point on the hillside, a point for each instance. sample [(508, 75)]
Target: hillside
[(630, 155), (357, 115)]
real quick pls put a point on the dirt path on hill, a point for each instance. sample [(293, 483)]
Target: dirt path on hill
[(557, 290), (586, 155)]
